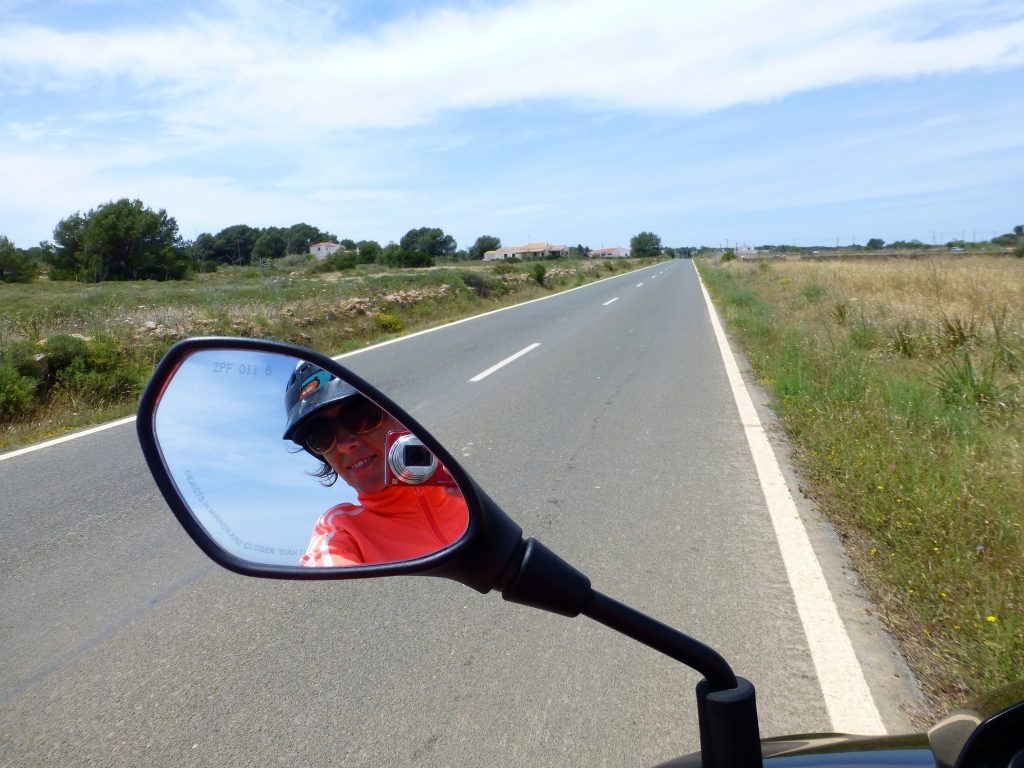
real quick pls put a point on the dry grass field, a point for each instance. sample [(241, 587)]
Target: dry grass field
[(899, 383)]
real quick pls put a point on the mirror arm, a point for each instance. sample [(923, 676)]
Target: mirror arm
[(663, 638), (726, 705), (546, 581)]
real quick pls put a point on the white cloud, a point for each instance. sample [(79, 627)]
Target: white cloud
[(276, 65), (131, 109)]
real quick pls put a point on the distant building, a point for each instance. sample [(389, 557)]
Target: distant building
[(610, 253), (323, 250), (528, 251)]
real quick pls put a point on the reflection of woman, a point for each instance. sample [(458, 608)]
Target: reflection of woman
[(347, 432)]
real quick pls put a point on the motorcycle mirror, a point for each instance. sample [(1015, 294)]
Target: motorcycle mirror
[(279, 462), (224, 425)]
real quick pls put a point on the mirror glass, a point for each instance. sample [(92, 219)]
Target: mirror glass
[(284, 464)]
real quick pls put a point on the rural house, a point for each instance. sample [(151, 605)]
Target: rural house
[(323, 250), (610, 253), (528, 251)]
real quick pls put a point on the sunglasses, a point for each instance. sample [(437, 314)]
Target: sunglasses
[(357, 417)]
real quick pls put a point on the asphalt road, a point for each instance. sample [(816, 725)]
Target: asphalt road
[(615, 442)]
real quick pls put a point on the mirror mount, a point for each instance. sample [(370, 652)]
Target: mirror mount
[(545, 581)]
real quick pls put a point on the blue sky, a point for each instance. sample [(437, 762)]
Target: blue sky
[(583, 121), (219, 427)]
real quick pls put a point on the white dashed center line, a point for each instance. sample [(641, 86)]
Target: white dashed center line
[(503, 363)]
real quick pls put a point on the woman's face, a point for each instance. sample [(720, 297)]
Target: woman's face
[(359, 459)]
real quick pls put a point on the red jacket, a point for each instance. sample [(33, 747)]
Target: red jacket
[(397, 523)]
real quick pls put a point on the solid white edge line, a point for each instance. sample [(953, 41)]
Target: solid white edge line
[(848, 699), (119, 422), (503, 363), (610, 301), (65, 438)]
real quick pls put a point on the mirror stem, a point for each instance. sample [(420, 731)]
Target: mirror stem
[(661, 637), (726, 705)]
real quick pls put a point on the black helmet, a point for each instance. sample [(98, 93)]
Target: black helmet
[(311, 389)]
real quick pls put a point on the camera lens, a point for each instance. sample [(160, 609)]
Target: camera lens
[(417, 456), (410, 461)]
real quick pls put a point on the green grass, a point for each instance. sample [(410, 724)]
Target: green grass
[(907, 428), (75, 354)]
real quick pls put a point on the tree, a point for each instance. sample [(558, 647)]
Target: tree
[(483, 244), (270, 245), (1019, 230), (201, 253), (66, 255), (645, 245), (368, 252), (876, 243), (431, 241), (347, 244), (120, 240), (395, 255), (16, 266), (234, 244), (301, 236)]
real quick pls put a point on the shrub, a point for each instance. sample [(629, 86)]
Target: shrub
[(63, 350), (864, 335), (478, 282), (292, 260), (22, 356), (337, 262), (538, 272), (15, 393), (388, 322), (957, 332), (102, 385), (813, 292), (504, 267), (959, 383), (729, 256)]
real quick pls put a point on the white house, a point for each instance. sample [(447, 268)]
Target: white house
[(323, 250), (528, 251), (610, 253)]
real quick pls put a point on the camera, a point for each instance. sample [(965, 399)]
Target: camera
[(409, 462)]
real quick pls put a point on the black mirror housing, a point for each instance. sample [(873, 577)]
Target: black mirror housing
[(481, 558)]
